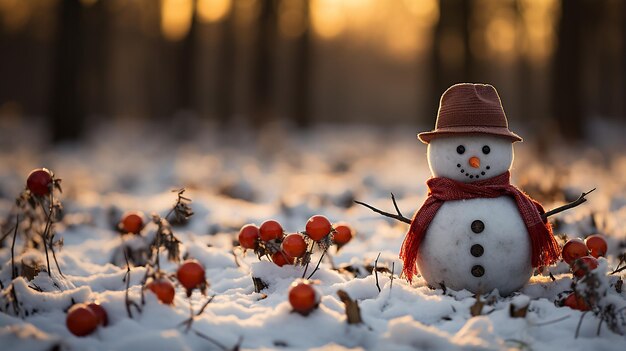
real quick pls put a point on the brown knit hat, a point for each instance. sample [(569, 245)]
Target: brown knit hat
[(468, 109)]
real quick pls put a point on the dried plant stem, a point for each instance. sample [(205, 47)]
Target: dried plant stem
[(309, 252), (318, 264), (581, 199), (210, 339), (398, 216), (13, 270), (127, 297), (580, 322), (376, 272)]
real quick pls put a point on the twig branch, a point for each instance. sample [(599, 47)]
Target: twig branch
[(127, 297), (308, 254), (210, 339), (13, 270), (376, 272), (580, 322), (318, 263), (397, 217), (581, 199)]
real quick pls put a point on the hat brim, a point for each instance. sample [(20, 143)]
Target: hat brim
[(426, 137)]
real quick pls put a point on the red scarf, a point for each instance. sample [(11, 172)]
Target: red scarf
[(545, 249)]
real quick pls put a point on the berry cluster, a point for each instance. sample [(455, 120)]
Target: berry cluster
[(582, 259), (270, 239)]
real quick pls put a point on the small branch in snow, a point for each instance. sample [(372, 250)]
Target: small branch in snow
[(307, 254), (580, 322), (189, 321), (581, 199), (550, 322), (215, 342), (318, 264), (376, 272), (127, 299), (393, 267), (622, 259), (13, 270), (397, 217)]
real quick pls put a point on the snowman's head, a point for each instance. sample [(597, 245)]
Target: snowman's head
[(469, 158)]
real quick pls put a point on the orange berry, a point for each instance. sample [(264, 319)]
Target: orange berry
[(81, 320), (248, 236), (575, 302), (190, 274), (294, 245), (343, 234), (597, 245), (163, 289), (303, 297), (574, 249), (39, 182), (582, 265), (318, 227), (280, 258), (100, 312), (132, 222), (270, 230)]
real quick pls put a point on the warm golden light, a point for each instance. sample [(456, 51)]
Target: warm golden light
[(15, 14), (425, 11), (213, 10), (327, 17), (500, 35), (539, 20), (176, 18), (291, 18)]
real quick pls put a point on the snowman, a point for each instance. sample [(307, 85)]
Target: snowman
[(475, 230)]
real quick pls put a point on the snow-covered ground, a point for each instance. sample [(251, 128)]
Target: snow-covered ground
[(239, 178)]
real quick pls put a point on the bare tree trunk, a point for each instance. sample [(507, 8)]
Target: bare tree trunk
[(226, 70), (67, 112), (567, 96), (302, 75), (454, 20), (186, 66), (263, 70)]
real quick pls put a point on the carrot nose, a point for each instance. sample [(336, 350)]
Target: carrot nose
[(474, 161)]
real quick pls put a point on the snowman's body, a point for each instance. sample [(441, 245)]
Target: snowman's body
[(477, 244)]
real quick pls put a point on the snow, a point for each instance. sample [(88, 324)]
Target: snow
[(234, 179)]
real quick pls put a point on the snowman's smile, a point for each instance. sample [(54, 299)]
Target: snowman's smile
[(481, 173)]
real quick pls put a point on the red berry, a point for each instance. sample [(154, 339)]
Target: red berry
[(597, 245), (190, 274), (39, 182), (303, 297), (574, 249), (163, 289), (270, 230), (132, 222), (100, 312), (280, 258), (318, 227), (581, 266), (81, 320), (294, 245), (575, 302), (248, 236), (343, 234)]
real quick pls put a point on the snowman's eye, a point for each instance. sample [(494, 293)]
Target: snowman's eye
[(486, 150), (460, 149)]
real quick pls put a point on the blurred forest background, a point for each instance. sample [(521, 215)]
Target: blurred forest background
[(67, 63)]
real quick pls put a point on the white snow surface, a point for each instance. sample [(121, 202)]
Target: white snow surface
[(237, 178)]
